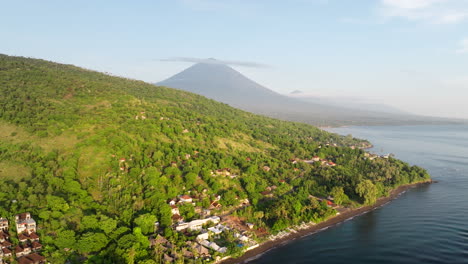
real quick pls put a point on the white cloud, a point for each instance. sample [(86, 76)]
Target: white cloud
[(463, 46), (432, 11), (216, 61), (410, 4)]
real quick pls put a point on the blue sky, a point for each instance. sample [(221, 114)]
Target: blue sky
[(412, 54)]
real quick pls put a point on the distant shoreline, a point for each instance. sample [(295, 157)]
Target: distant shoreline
[(268, 245)]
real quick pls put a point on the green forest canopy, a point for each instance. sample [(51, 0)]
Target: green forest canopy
[(95, 159)]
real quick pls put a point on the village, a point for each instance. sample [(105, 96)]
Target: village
[(205, 235), (27, 251), (208, 234)]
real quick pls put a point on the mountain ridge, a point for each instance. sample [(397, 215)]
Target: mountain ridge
[(223, 83)]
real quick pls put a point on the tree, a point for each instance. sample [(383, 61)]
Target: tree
[(65, 239), (146, 223), (89, 222), (339, 196), (107, 224), (368, 191), (91, 242)]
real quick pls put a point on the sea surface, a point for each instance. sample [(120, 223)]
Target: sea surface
[(427, 224)]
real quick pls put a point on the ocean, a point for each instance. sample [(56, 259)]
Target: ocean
[(427, 224)]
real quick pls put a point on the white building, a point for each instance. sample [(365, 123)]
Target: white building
[(213, 246), (25, 223), (197, 224)]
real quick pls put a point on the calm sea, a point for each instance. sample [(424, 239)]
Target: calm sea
[(427, 224)]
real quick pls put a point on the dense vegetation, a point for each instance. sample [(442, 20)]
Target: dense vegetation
[(64, 132)]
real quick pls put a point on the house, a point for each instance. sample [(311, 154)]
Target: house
[(6, 252), (3, 224), (159, 240), (22, 251), (267, 193), (23, 238), (201, 250), (215, 205), (5, 244), (4, 236), (37, 258), (185, 199), (266, 168), (25, 223), (203, 236), (224, 172), (33, 237), (33, 258), (187, 253), (315, 158), (36, 246), (250, 225), (213, 246), (177, 218), (175, 210)]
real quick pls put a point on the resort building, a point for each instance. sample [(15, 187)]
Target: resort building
[(25, 223), (197, 224)]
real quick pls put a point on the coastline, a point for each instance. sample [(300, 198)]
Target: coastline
[(271, 244)]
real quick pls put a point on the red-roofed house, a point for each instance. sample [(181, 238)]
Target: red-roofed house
[(34, 258), (5, 244), (33, 237), (185, 198), (22, 238), (36, 246), (6, 252), (4, 236)]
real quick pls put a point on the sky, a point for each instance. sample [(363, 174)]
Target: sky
[(412, 54)]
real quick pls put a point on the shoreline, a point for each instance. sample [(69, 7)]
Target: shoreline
[(271, 244)]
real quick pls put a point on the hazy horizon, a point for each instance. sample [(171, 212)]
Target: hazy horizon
[(409, 54)]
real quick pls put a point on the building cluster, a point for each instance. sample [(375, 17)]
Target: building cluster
[(28, 248), (314, 159), (183, 199), (208, 228), (369, 156)]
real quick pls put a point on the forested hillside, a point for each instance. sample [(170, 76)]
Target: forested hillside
[(95, 159)]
